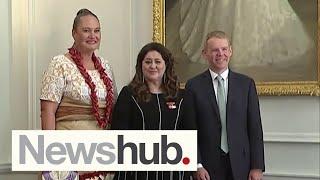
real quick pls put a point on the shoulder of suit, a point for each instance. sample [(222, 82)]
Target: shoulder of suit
[(240, 76), (198, 76)]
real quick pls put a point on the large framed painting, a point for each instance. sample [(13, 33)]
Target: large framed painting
[(275, 41)]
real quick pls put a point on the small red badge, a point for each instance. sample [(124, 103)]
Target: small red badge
[(171, 105)]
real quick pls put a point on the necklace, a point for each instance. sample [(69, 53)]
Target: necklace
[(101, 121)]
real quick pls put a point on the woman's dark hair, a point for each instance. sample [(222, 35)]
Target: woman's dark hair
[(169, 84), (81, 13)]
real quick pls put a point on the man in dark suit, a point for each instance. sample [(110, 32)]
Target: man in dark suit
[(226, 108)]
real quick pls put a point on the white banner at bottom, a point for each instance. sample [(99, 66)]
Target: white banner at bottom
[(110, 150)]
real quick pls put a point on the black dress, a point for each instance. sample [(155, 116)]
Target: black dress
[(157, 114)]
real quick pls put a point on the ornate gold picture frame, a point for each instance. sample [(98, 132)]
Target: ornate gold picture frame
[(285, 85)]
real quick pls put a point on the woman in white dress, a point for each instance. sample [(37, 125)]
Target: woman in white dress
[(78, 91)]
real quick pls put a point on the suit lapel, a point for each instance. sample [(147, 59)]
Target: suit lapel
[(208, 84), (231, 91)]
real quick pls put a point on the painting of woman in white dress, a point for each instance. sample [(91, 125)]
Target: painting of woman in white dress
[(273, 40)]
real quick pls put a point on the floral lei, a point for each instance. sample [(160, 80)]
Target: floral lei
[(101, 121)]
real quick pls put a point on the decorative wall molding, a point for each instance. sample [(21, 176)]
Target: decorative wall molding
[(5, 167), (32, 71), (292, 138), (292, 175)]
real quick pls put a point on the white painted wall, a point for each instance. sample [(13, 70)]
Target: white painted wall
[(142, 26), (291, 124), (291, 132)]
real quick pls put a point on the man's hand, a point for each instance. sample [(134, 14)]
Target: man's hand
[(202, 174), (255, 174)]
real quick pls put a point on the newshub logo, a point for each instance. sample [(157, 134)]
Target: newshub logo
[(86, 150)]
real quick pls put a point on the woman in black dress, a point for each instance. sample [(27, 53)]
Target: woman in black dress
[(152, 101)]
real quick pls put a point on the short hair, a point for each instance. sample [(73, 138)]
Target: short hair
[(217, 34), (81, 13)]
